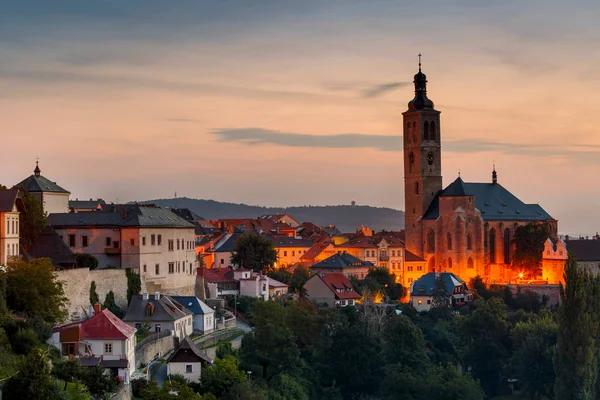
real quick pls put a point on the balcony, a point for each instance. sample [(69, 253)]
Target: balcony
[(112, 250)]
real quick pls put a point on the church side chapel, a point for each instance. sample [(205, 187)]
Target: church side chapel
[(466, 228)]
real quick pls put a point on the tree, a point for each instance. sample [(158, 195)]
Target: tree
[(24, 341), (33, 380), (32, 222), (575, 361), (529, 247), (445, 383), (33, 289), (387, 283), (66, 370), (172, 390), (403, 343), (254, 252), (110, 305), (134, 284), (299, 278), (98, 382), (84, 260), (225, 373), (94, 298), (281, 275)]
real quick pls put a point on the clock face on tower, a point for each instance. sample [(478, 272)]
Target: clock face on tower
[(430, 158)]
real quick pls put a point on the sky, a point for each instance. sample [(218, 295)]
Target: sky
[(286, 102)]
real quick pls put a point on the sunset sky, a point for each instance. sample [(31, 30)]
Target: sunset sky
[(299, 102)]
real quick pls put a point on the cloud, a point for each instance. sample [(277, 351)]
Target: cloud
[(383, 88), (258, 136), (191, 120), (364, 89)]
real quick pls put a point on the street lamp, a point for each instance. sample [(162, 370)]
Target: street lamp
[(249, 373)]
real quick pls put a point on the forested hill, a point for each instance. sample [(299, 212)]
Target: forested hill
[(345, 218)]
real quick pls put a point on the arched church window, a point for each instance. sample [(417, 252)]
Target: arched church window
[(407, 133), (492, 246), (414, 132), (450, 262), (469, 241), (416, 187), (507, 246), (431, 241), (411, 162), (470, 263), (426, 130), (449, 241), (432, 133)]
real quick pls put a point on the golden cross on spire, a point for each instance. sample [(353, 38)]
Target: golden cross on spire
[(419, 62)]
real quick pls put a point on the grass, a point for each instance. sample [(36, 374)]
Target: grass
[(234, 335), (74, 391)]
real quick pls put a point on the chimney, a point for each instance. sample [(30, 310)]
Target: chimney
[(156, 295), (97, 308), (145, 296)]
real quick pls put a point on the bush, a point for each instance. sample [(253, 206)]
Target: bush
[(138, 386), (86, 261), (42, 329), (177, 378)]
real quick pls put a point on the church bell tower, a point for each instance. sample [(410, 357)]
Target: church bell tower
[(422, 162)]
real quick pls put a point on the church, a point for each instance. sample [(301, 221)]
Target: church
[(465, 228)]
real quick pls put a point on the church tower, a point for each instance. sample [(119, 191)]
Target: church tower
[(422, 162)]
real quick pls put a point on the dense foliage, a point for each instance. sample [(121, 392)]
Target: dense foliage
[(32, 222), (254, 252), (134, 284), (529, 247), (84, 260)]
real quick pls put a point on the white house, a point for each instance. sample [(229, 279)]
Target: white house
[(240, 282), (54, 198), (187, 360), (159, 313), (102, 340), (204, 316), (423, 290), (11, 205), (154, 240)]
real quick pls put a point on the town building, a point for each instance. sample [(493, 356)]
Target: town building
[(465, 228), (11, 206), (220, 253), (76, 206), (54, 198), (187, 360), (331, 289), (237, 282), (290, 250), (343, 263), (423, 290), (587, 253), (147, 238), (277, 288), (204, 316), (103, 339), (159, 313)]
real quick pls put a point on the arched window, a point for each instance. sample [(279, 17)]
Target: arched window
[(416, 187), (431, 241), (431, 265), (426, 130), (450, 262), (470, 263), (407, 133), (411, 162), (469, 242), (414, 132), (449, 241), (507, 246), (492, 246), (432, 133)]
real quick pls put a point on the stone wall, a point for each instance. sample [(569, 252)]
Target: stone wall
[(76, 283), (146, 350), (550, 291)]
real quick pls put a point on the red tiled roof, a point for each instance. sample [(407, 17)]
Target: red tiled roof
[(214, 275), (339, 281), (315, 250), (105, 325), (408, 256)]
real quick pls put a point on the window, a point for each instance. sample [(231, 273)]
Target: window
[(470, 263), (71, 240), (419, 301), (431, 241), (492, 246), (507, 246), (432, 133), (107, 348), (426, 131), (152, 240), (469, 241), (157, 269), (293, 253), (285, 253), (449, 262), (145, 268), (84, 241), (264, 287), (416, 187), (449, 241), (116, 244), (108, 242), (393, 265), (157, 327), (222, 261), (143, 240), (177, 244), (159, 240), (411, 162), (170, 244), (189, 322), (429, 301), (132, 241), (188, 368), (171, 267), (409, 268)]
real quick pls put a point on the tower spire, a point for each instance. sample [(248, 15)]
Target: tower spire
[(37, 171), (419, 62), (420, 101), (494, 174)]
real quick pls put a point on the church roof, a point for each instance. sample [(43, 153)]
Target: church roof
[(493, 200), (37, 183)]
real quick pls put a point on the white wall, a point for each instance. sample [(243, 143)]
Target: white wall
[(179, 368), (204, 322), (97, 238), (222, 259), (55, 202), (425, 302)]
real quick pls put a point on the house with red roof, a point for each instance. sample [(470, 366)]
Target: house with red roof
[(333, 289), (239, 282), (102, 340)]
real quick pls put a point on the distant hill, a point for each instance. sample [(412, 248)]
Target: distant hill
[(345, 218)]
